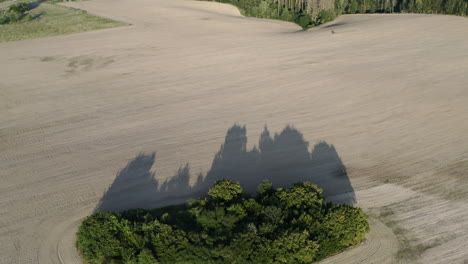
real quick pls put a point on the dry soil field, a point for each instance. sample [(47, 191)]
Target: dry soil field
[(390, 92)]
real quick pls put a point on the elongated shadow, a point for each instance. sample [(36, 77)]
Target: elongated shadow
[(133, 186), (283, 158)]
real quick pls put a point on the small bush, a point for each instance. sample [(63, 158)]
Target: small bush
[(19, 8), (14, 17), (4, 19), (28, 17), (304, 20)]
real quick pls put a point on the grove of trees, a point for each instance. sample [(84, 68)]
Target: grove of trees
[(282, 225), (309, 13)]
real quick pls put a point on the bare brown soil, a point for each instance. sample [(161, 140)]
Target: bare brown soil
[(388, 91)]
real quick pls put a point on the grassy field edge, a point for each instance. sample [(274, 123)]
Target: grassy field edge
[(54, 20)]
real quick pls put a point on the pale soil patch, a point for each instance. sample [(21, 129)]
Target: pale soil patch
[(379, 247), (389, 91)]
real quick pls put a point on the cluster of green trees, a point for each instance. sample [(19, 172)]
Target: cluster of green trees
[(283, 225), (296, 11), (309, 13), (15, 12), (452, 7)]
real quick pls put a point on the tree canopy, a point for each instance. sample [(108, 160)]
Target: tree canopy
[(283, 225), (309, 13)]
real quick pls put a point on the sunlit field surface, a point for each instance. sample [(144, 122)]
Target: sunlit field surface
[(387, 93)]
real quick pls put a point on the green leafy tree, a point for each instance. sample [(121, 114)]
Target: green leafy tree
[(265, 188), (353, 7), (304, 20), (225, 190), (290, 248), (99, 237), (146, 257), (301, 196), (168, 244), (342, 227)]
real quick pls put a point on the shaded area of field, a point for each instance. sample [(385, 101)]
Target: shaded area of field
[(283, 158)]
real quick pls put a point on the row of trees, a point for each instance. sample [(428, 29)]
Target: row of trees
[(284, 225), (306, 13), (452, 7), (309, 13)]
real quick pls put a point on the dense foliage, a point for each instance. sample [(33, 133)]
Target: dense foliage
[(309, 13), (15, 12), (284, 225)]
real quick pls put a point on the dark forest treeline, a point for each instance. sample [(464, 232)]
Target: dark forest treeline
[(309, 13)]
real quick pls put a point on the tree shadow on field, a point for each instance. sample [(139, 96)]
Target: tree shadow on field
[(135, 186), (132, 186), (283, 159)]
